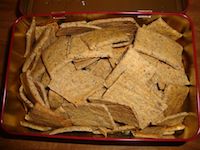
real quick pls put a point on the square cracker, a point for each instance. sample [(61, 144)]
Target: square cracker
[(95, 115), (79, 50), (55, 56), (163, 28), (174, 96), (159, 46), (130, 90), (135, 63), (75, 86), (167, 74), (105, 37)]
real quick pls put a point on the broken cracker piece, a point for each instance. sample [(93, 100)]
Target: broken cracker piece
[(163, 28), (95, 115), (159, 46), (67, 83), (30, 37), (34, 126), (43, 116)]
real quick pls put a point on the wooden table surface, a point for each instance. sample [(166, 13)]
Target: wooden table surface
[(7, 16)]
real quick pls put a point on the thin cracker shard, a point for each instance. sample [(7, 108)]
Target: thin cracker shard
[(173, 119), (101, 68), (30, 88), (30, 37), (45, 80), (158, 132), (75, 129), (163, 28), (43, 116), (67, 29), (40, 29), (34, 126), (117, 22), (24, 98), (118, 54), (95, 115), (97, 94), (160, 47), (55, 100), (83, 64), (42, 92), (38, 71)]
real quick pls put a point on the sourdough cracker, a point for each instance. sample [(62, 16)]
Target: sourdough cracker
[(74, 28), (75, 129), (30, 37), (127, 117), (166, 74), (163, 28), (68, 83), (97, 94), (34, 126), (46, 39), (99, 38), (55, 56), (43, 116), (24, 98), (137, 95), (94, 115), (79, 50), (101, 68), (173, 119), (45, 80), (42, 92), (118, 54), (133, 62), (38, 71), (174, 96), (159, 46), (30, 88), (55, 100), (83, 64)]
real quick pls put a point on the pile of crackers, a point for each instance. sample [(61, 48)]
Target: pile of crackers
[(104, 76)]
